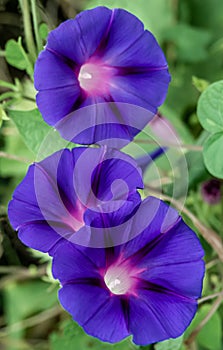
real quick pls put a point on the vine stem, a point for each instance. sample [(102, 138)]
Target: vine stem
[(35, 25), (196, 148), (32, 321), (13, 157), (208, 234), (209, 297), (24, 4)]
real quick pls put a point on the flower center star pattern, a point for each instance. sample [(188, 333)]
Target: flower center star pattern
[(101, 56), (94, 78), (121, 278), (147, 287)]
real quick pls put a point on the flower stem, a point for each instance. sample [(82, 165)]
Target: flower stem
[(7, 95), (8, 85), (35, 25), (196, 148), (31, 321), (13, 157), (209, 297), (24, 4)]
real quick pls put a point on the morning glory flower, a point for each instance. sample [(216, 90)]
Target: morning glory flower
[(100, 56), (147, 287), (59, 194)]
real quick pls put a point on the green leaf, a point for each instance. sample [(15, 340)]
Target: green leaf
[(31, 126), (170, 344), (210, 107), (200, 84), (73, 334), (17, 57), (43, 31), (210, 336), (213, 148)]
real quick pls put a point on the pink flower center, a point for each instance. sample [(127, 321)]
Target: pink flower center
[(94, 78), (75, 218), (121, 278)]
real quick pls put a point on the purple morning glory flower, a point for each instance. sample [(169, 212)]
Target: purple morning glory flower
[(147, 287), (211, 191), (100, 56), (65, 191)]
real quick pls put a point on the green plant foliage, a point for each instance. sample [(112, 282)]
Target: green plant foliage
[(213, 154), (43, 31), (170, 344), (187, 40), (210, 114), (199, 12), (211, 334), (210, 107), (1, 115), (17, 57), (73, 334), (23, 300), (31, 127), (200, 84)]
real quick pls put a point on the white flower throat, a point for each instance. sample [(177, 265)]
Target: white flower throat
[(117, 280)]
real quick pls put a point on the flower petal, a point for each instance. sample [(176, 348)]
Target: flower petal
[(52, 72), (152, 219), (56, 103), (103, 174), (120, 175), (92, 307), (101, 122), (41, 236), (77, 39), (147, 90), (41, 201), (120, 35), (142, 51), (183, 278), (179, 245), (71, 263), (24, 207), (162, 315), (113, 213)]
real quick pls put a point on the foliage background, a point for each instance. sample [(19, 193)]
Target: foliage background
[(191, 35)]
